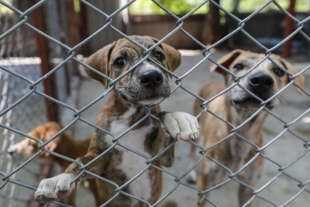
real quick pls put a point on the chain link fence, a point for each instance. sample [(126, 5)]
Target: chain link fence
[(20, 109), (15, 105), (21, 117)]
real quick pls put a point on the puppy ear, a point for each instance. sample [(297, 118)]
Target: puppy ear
[(45, 132), (100, 61), (299, 80), (173, 56), (225, 61)]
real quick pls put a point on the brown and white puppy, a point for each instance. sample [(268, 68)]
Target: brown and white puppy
[(63, 144), (128, 171), (236, 106)]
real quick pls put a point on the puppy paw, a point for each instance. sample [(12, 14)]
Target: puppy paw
[(181, 125), (54, 188)]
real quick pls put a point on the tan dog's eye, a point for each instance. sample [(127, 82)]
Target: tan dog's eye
[(278, 71), (159, 56), (239, 66), (119, 62)]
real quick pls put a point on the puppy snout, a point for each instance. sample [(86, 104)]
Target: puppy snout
[(261, 82), (151, 79)]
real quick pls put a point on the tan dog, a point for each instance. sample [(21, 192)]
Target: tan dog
[(64, 144), (236, 106), (146, 85)]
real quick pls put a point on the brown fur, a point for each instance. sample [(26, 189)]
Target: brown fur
[(125, 104), (234, 153), (64, 144), (114, 109), (106, 166)]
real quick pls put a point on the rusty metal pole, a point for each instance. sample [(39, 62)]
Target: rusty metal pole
[(289, 27), (51, 107), (42, 49)]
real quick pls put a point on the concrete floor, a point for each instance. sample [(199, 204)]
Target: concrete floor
[(283, 151)]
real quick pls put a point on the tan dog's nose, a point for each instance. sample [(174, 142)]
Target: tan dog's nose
[(260, 84), (261, 81), (151, 79)]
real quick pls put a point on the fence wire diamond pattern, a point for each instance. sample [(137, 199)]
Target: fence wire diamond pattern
[(33, 88)]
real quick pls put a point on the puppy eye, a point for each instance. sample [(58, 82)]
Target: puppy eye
[(279, 72), (159, 56), (119, 62), (239, 66)]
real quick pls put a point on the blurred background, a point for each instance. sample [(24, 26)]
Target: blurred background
[(40, 43)]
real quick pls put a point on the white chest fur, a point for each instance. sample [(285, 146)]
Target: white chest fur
[(133, 164)]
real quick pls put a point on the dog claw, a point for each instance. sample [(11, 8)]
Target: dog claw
[(62, 192), (44, 199), (192, 136), (192, 177)]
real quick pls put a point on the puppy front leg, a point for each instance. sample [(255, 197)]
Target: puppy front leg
[(249, 175), (175, 125), (162, 141), (59, 187), (202, 184)]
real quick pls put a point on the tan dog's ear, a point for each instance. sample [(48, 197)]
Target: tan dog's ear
[(100, 61), (299, 80), (173, 56), (225, 61)]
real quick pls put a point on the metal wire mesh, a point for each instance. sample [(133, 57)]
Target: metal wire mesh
[(23, 115), (286, 126)]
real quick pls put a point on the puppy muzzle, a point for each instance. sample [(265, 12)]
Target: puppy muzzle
[(148, 86), (151, 79), (262, 86)]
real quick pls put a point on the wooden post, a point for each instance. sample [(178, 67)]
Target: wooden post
[(289, 28), (52, 112), (51, 107), (211, 30)]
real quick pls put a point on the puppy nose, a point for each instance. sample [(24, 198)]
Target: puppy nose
[(151, 79), (261, 81)]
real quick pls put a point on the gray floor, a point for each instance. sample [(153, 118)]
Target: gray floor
[(283, 151)]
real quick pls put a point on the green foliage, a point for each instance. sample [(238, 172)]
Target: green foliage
[(184, 6), (176, 7), (76, 4), (246, 6), (302, 6), (4, 9)]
